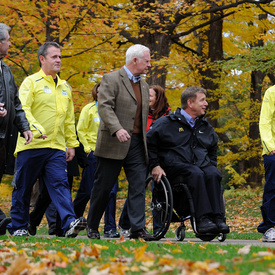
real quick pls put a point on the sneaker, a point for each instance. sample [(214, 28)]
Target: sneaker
[(111, 234), (124, 232), (20, 233), (75, 227), (31, 229), (269, 235)]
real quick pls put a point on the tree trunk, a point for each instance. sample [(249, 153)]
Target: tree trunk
[(212, 73), (52, 25)]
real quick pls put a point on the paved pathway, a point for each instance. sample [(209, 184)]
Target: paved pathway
[(226, 242), (196, 240)]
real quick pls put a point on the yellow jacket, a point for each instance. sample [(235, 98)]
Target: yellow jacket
[(267, 121), (87, 126), (50, 111)]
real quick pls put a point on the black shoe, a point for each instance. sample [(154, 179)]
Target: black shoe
[(31, 229), (222, 226), (59, 232), (111, 234), (3, 225), (205, 225), (92, 234), (143, 234), (52, 231)]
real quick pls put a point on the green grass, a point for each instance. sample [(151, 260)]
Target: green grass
[(44, 255), (204, 258)]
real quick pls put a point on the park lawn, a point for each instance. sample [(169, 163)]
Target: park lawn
[(47, 255), (51, 255)]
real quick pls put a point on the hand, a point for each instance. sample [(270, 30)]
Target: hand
[(43, 136), (28, 136), (272, 153), (70, 154), (157, 173), (3, 111), (122, 135)]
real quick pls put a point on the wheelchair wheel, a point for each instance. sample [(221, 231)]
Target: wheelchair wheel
[(159, 204), (180, 233), (221, 237)]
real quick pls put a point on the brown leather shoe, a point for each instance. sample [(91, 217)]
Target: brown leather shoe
[(143, 234), (92, 233)]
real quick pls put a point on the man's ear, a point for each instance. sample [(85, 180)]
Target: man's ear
[(41, 58), (189, 103)]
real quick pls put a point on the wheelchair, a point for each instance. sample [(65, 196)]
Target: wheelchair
[(174, 203)]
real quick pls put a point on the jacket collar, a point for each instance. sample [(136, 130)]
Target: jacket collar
[(49, 77), (178, 116), (127, 83)]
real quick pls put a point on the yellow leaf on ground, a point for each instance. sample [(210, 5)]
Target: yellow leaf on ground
[(139, 253), (18, 266)]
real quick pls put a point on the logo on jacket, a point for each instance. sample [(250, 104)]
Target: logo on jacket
[(47, 90), (181, 129), (64, 93)]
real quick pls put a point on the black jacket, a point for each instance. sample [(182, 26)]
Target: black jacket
[(10, 97), (171, 141)]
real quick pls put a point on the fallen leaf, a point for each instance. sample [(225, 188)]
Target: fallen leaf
[(244, 250)]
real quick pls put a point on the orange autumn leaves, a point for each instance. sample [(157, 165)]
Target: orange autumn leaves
[(138, 259)]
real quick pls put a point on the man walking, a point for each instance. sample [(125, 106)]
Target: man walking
[(11, 111), (267, 133), (47, 101), (123, 105)]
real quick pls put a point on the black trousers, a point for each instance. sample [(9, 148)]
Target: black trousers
[(106, 174), (204, 185)]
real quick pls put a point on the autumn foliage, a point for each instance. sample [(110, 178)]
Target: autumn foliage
[(224, 46)]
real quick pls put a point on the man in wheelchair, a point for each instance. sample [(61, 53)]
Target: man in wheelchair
[(184, 143)]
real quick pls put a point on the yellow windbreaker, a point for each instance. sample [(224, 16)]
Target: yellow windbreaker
[(87, 126), (267, 121), (50, 111)]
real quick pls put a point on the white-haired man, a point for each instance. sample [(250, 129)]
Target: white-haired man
[(123, 104)]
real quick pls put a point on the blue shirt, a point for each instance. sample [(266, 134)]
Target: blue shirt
[(188, 118), (131, 76)]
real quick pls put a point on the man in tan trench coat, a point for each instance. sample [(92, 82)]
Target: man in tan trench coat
[(123, 104)]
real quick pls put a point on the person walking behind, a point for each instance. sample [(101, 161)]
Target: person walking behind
[(87, 129), (267, 133), (47, 101), (123, 104), (11, 111)]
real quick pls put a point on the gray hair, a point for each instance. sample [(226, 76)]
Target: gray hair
[(43, 50), (190, 93), (3, 32), (137, 51)]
